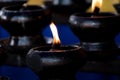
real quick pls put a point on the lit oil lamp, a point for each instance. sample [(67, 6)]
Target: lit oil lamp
[(96, 31), (25, 25), (56, 62)]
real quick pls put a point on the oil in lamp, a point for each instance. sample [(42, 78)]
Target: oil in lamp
[(56, 61), (24, 24), (96, 31)]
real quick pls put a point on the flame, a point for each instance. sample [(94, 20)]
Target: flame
[(96, 3), (56, 39), (104, 5), (34, 2)]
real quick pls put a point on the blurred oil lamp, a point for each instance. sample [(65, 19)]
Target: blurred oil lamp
[(96, 31), (25, 25), (56, 61)]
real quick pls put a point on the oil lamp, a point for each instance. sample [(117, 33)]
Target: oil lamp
[(25, 25), (96, 31), (56, 61)]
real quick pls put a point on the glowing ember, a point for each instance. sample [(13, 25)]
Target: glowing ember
[(96, 3), (56, 39)]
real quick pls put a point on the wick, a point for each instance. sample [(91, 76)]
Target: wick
[(96, 10), (56, 46)]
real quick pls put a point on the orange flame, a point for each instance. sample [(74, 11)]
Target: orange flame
[(56, 39), (96, 3)]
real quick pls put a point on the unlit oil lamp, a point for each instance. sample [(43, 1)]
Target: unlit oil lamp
[(96, 31), (24, 23), (56, 62)]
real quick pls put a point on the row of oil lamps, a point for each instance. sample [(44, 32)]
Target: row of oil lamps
[(27, 47)]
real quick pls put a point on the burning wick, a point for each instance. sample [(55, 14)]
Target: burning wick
[(96, 4), (96, 10), (56, 39)]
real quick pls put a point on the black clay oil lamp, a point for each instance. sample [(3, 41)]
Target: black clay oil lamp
[(96, 31), (25, 25), (56, 62)]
